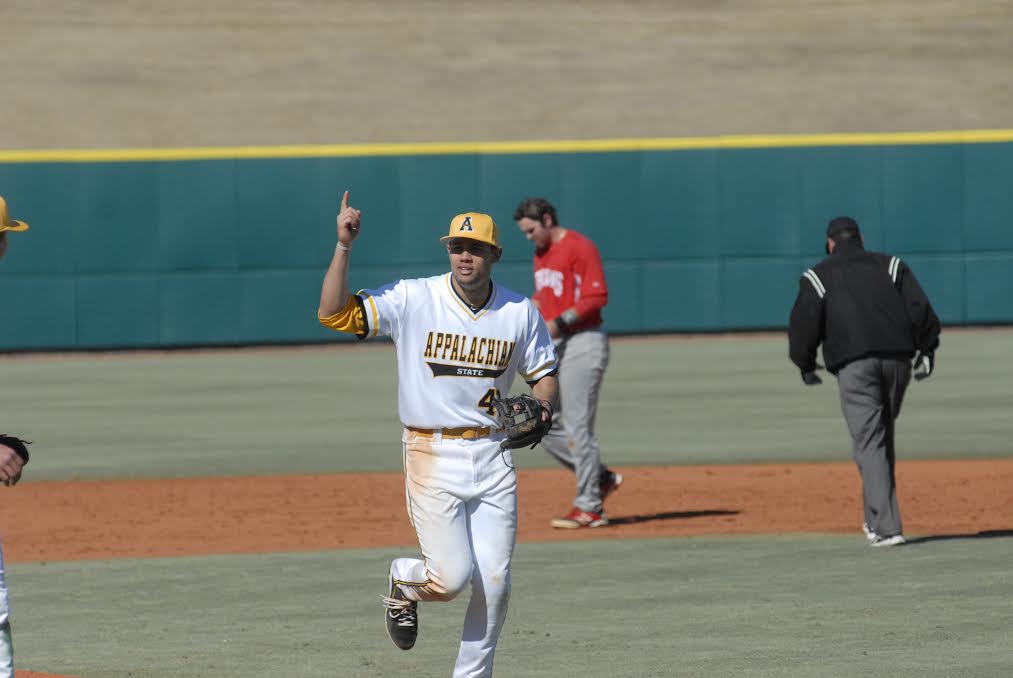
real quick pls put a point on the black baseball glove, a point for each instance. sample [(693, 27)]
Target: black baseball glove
[(19, 446), (524, 418)]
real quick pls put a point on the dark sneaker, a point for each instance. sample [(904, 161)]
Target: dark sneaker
[(609, 483), (401, 616)]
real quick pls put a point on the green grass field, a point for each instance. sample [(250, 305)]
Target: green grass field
[(705, 400), (778, 605), (756, 606)]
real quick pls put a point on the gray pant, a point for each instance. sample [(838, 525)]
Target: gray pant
[(872, 390), (583, 358)]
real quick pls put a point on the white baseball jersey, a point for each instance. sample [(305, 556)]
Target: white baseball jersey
[(452, 361)]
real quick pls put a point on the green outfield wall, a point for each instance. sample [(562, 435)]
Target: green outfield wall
[(228, 246)]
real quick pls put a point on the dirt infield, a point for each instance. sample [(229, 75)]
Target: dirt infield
[(153, 518)]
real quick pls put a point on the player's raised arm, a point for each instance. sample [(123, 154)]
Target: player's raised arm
[(334, 292)]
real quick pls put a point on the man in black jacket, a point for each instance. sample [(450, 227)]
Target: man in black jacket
[(872, 317)]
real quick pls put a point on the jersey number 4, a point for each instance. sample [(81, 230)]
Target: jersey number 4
[(486, 402)]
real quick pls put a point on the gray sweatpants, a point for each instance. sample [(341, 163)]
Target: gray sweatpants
[(583, 358), (872, 390)]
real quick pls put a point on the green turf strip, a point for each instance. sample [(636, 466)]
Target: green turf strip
[(665, 401), (807, 605)]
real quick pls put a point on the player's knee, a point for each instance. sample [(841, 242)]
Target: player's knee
[(449, 580), (497, 587)]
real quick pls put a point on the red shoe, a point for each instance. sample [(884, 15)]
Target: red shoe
[(610, 484), (576, 519)]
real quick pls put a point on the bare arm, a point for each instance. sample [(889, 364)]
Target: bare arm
[(334, 291), (547, 388)]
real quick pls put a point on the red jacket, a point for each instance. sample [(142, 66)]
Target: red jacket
[(568, 274)]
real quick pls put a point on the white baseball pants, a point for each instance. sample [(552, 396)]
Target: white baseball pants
[(6, 645), (462, 501)]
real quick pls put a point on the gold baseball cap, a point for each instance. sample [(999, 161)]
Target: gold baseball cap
[(474, 226), (8, 224)]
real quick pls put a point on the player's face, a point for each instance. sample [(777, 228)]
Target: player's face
[(535, 231), (471, 261)]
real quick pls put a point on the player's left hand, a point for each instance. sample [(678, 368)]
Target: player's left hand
[(524, 419), (13, 457)]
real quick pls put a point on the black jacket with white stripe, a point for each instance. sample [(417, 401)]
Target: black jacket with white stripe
[(859, 304)]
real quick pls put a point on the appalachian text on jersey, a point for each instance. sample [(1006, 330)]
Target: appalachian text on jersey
[(484, 351)]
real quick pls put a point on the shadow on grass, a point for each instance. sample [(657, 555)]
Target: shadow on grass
[(671, 515), (987, 534)]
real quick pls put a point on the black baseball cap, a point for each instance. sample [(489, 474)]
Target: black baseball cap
[(838, 225)]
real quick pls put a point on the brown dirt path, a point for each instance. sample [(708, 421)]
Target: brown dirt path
[(149, 518)]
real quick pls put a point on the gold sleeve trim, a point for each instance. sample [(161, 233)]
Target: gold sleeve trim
[(375, 315), (348, 320)]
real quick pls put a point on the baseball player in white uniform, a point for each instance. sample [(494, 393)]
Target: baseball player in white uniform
[(10, 473), (460, 338), (6, 644)]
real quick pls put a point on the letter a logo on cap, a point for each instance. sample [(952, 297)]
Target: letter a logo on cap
[(474, 226)]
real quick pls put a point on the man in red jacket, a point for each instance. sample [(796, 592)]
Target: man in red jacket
[(570, 292)]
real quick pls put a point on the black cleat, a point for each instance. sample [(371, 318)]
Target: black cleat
[(401, 616)]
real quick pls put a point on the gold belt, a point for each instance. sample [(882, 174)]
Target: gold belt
[(464, 432)]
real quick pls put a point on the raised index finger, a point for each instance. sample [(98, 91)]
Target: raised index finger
[(344, 201)]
